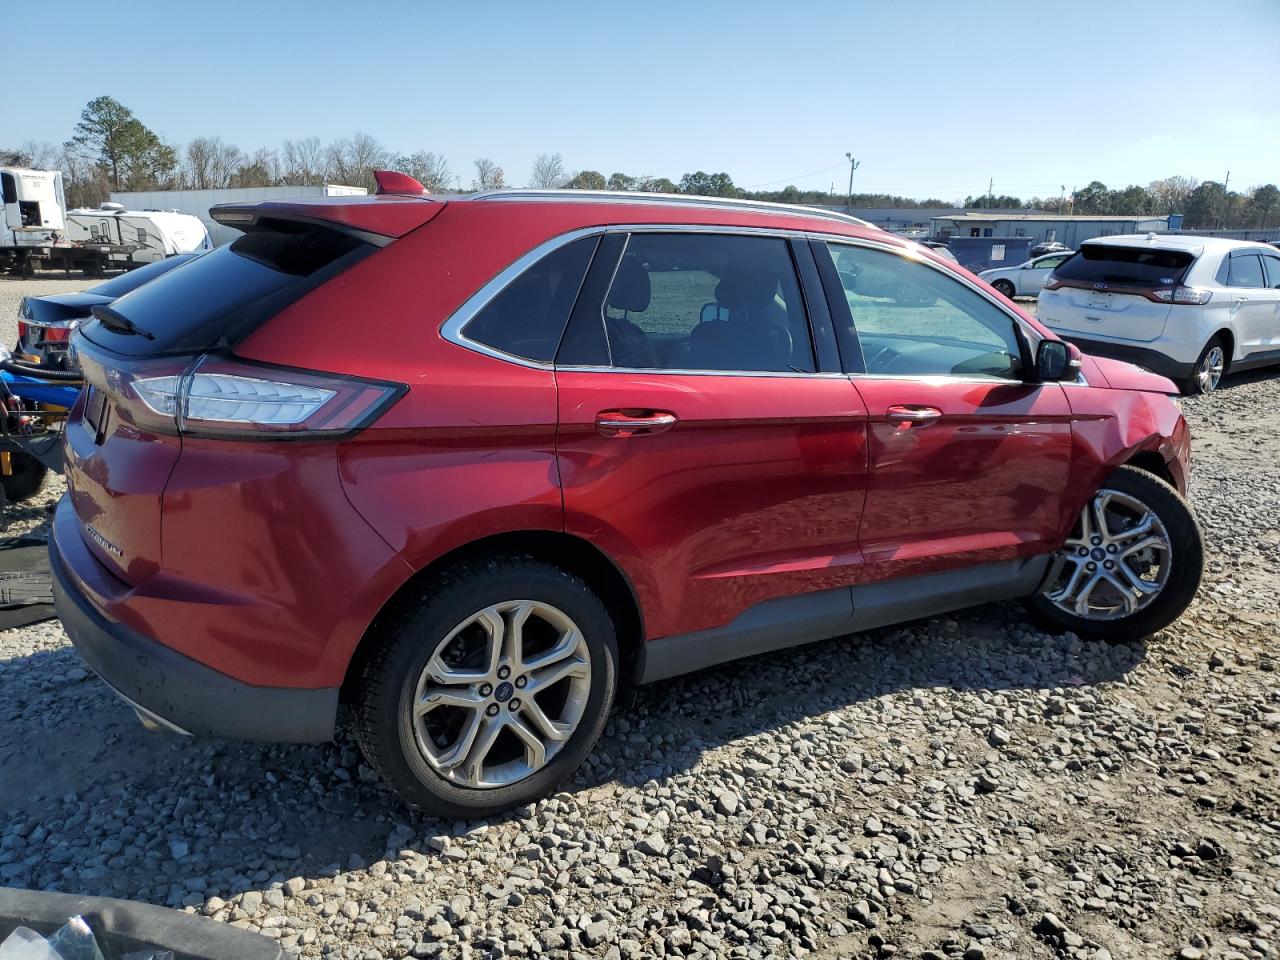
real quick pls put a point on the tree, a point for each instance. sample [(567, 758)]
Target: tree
[(1205, 205), (1093, 200), (654, 185), (1131, 200), (998, 202), (621, 181), (548, 171), (489, 175), (1264, 206), (352, 161), (708, 184), (131, 154), (36, 154), (429, 169), (587, 180), (1170, 194), (208, 163), (256, 171), (303, 163)]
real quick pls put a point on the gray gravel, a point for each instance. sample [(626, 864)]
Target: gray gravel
[(961, 787)]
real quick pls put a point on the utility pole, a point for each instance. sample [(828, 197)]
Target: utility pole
[(1226, 200), (1062, 198), (991, 191), (853, 165)]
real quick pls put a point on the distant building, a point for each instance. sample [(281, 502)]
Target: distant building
[(910, 221), (1043, 228), (198, 202)]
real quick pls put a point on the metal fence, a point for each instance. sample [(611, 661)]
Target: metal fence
[(1264, 234)]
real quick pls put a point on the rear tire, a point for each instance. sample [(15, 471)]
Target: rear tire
[(25, 480), (1209, 369), (1155, 551), (456, 728), (1005, 287)]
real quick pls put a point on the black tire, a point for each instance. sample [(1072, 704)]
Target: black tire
[(26, 477), (1194, 384), (1005, 287), (388, 680), (1186, 566)]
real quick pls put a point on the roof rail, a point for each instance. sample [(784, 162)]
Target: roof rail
[(680, 199)]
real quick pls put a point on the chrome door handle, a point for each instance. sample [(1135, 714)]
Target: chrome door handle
[(621, 423), (1239, 300), (912, 413)]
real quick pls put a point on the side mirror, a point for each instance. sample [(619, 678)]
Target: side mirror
[(1057, 360)]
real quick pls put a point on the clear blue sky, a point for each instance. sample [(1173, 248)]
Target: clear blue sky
[(932, 96)]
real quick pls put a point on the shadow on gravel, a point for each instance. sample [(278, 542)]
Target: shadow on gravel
[(90, 803)]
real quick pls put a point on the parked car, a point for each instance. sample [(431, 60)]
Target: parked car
[(1049, 246), (590, 440), (941, 249), (1026, 279), (1188, 308), (45, 323)]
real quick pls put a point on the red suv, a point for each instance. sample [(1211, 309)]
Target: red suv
[(581, 440)]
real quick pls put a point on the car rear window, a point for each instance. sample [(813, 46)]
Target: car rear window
[(133, 279), (222, 296), (1126, 266)]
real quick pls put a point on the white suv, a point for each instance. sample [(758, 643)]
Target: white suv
[(1188, 308)]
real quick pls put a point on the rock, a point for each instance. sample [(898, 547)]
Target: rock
[(727, 802)]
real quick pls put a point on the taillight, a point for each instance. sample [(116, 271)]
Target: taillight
[(1181, 295), (59, 334), (22, 329), (1051, 283), (220, 397)]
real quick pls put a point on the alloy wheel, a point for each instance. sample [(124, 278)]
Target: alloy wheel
[(1115, 562), (501, 694), (1211, 367)]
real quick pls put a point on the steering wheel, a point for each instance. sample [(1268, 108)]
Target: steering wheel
[(780, 336)]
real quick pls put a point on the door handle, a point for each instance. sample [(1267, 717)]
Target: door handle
[(1239, 300), (634, 423), (912, 413)]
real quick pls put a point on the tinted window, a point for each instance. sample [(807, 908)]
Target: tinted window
[(225, 294), (910, 319), (1126, 266), (9, 188), (695, 301), (527, 318), (132, 280), (1245, 271), (1273, 271)]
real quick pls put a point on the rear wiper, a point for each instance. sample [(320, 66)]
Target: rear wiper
[(117, 321)]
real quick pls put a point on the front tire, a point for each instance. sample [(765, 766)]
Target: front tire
[(490, 690), (1131, 565), (1005, 287), (1209, 368)]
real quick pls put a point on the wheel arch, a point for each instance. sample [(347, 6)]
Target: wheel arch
[(1228, 338), (1150, 461), (566, 551)]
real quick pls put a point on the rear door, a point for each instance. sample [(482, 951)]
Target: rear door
[(967, 462), (1112, 290), (706, 441), (1030, 278), (1254, 303)]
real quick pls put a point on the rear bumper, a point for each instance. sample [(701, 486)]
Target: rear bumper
[(166, 686), (1153, 360)]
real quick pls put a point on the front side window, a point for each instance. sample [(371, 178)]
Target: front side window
[(1245, 271), (909, 319), (1273, 271), (528, 317), (1048, 263), (699, 301)]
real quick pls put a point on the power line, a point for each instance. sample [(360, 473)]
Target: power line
[(801, 176)]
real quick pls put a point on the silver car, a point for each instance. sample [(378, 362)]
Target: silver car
[(1025, 279)]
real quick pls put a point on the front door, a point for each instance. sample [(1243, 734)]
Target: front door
[(701, 444), (967, 462)]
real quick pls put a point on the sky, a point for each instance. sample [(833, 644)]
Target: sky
[(933, 98)]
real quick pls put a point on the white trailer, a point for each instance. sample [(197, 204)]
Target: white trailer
[(198, 202), (135, 237), (34, 215)]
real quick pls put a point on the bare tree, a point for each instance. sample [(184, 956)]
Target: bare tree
[(303, 162), (1171, 194), (548, 171), (489, 175), (36, 154), (260, 170), (353, 161), (208, 163), (429, 169)]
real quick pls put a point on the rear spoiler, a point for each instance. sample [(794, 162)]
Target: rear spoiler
[(378, 219)]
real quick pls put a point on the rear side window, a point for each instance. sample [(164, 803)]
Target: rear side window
[(1126, 266), (221, 297), (1245, 271), (697, 301), (528, 317), (1273, 271)]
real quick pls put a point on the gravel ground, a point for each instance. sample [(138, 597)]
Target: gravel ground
[(965, 786)]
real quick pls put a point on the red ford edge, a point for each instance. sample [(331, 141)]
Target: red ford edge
[(471, 464)]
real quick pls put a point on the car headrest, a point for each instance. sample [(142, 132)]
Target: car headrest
[(745, 288), (630, 290)]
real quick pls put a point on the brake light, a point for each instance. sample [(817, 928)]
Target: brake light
[(1181, 295), (22, 329), (1051, 283), (226, 398), (59, 334)]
